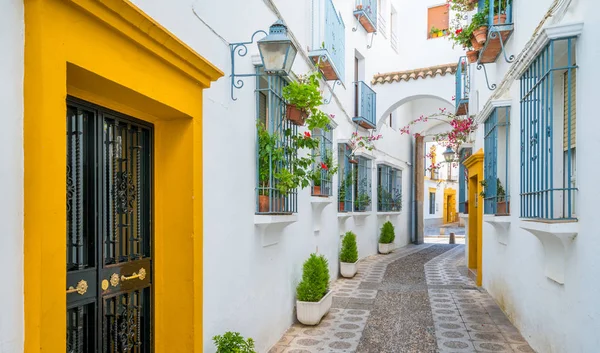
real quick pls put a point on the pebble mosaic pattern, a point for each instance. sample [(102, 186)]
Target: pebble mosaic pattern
[(467, 319)]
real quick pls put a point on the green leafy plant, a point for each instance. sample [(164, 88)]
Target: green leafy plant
[(233, 342), (483, 184), (349, 252), (363, 200), (500, 193), (269, 154), (315, 279), (387, 234), (304, 93), (397, 201)]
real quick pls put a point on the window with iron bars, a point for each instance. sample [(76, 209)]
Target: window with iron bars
[(496, 162), (548, 139), (362, 185), (275, 150), (389, 189), (321, 184), (345, 178)]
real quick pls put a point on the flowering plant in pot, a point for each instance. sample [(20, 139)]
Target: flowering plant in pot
[(386, 238), (303, 97), (349, 256), (313, 297), (233, 342), (365, 143), (479, 25), (323, 170)]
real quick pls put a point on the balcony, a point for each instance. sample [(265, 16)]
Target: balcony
[(366, 13), (329, 40), (365, 103), (462, 87), (500, 28)]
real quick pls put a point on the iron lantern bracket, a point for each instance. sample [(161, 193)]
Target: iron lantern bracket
[(241, 49)]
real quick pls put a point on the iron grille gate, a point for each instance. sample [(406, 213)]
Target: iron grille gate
[(109, 199)]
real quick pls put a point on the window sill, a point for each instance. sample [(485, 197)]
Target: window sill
[(501, 224), (556, 238), (389, 213), (270, 226)]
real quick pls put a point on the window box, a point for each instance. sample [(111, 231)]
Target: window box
[(366, 100), (366, 14), (500, 28), (329, 40)]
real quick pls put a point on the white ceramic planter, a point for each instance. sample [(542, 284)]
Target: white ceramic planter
[(386, 248), (348, 269), (310, 313)]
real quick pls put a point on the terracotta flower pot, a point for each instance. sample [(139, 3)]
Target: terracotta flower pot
[(472, 56), (295, 115), (503, 207), (500, 19), (353, 161), (476, 45), (263, 204), (481, 34), (316, 190), (359, 7), (342, 206)]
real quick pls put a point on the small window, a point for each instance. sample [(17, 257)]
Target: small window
[(389, 189), (496, 166), (362, 185), (437, 21), (321, 184), (432, 203)]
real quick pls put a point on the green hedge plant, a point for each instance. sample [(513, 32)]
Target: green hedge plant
[(349, 252), (315, 279), (233, 342), (387, 235)]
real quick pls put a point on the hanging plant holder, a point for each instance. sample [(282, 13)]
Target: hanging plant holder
[(295, 115)]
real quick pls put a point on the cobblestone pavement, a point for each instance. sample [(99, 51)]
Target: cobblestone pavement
[(417, 299)]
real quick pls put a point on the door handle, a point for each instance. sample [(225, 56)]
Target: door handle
[(81, 288), (141, 274)]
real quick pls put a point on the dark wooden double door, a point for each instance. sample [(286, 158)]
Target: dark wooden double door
[(109, 231)]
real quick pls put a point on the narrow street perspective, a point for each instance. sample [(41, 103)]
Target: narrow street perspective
[(418, 299), (299, 176)]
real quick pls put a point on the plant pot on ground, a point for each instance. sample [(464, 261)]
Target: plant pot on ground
[(312, 293), (386, 238), (349, 256)]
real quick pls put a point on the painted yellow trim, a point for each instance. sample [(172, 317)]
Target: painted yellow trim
[(474, 165), (434, 190), (110, 53)]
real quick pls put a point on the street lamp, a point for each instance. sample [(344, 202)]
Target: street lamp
[(277, 53), (448, 154)]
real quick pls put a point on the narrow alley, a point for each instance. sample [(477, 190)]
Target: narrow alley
[(417, 299)]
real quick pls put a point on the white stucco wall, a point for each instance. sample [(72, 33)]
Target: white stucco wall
[(554, 317), (11, 176), (248, 287)]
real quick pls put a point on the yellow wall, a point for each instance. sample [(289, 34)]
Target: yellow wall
[(112, 54), (474, 165)]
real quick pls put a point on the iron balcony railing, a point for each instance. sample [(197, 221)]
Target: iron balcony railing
[(367, 8), (462, 85), (366, 100), (500, 11), (329, 37)]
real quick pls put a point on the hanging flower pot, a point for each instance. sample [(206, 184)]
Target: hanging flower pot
[(353, 161), (500, 19), (472, 56), (476, 45), (481, 34), (359, 7), (295, 116)]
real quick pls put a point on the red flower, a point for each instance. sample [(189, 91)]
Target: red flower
[(324, 166), (307, 134), (459, 31)]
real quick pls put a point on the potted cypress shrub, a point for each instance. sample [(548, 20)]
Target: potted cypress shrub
[(386, 238), (349, 256), (232, 342), (313, 297)]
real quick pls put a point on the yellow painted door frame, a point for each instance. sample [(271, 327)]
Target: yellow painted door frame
[(112, 54), (474, 165), (449, 206)]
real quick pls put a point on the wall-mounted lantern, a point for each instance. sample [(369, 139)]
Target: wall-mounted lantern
[(277, 53)]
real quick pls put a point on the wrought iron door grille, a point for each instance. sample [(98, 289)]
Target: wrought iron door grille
[(108, 189)]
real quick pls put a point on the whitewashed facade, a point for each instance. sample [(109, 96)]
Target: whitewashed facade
[(543, 271)]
